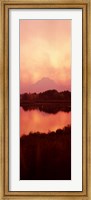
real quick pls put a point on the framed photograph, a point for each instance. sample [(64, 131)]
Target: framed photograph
[(45, 109)]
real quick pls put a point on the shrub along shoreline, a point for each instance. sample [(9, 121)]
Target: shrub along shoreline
[(46, 156)]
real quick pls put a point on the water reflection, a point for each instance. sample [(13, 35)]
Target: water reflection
[(34, 120)]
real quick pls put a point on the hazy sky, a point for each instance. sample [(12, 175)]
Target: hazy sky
[(45, 51)]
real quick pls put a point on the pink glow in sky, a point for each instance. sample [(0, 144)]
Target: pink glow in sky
[(45, 51)]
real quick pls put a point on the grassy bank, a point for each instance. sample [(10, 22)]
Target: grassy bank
[(46, 156)]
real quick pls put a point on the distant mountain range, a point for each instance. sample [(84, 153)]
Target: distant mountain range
[(43, 85)]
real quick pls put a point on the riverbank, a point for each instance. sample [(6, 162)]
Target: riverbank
[(46, 156)]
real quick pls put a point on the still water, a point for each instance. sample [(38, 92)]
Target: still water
[(35, 120)]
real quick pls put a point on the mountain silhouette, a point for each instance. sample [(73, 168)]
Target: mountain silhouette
[(42, 85)]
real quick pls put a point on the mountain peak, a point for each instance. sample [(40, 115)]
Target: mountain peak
[(46, 79), (42, 85)]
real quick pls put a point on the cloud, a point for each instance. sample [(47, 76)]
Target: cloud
[(45, 50)]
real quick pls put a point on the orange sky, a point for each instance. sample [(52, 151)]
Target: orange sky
[(45, 51)]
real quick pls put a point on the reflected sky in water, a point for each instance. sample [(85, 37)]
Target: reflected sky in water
[(34, 120)]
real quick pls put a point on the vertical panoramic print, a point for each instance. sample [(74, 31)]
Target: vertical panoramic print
[(45, 99)]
